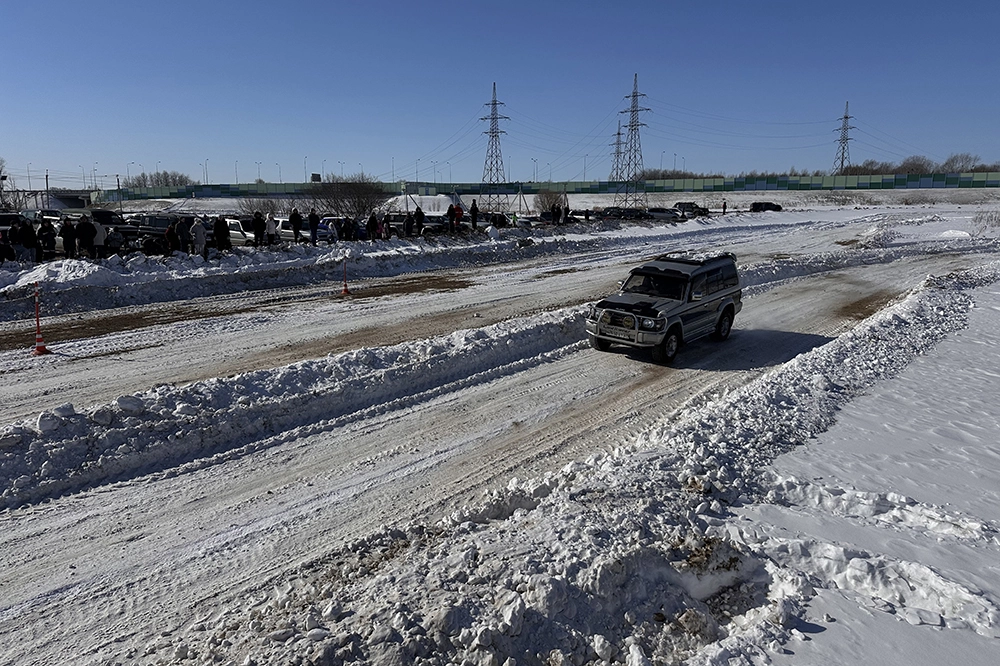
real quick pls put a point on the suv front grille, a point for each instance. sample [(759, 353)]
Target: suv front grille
[(620, 319)]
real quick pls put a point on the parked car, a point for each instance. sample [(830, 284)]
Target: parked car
[(618, 213), (494, 220), (669, 302), (287, 234), (238, 236), (691, 209), (667, 214), (761, 206)]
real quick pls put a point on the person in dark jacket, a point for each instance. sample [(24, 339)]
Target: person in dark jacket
[(259, 229), (47, 240), (556, 214), (114, 242), (451, 218), (86, 232), (408, 224), (68, 233), (173, 239), (295, 220), (220, 229), (474, 215), (418, 219), (313, 226), (30, 242), (372, 227)]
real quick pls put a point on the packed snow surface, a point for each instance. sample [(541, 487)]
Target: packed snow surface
[(821, 488)]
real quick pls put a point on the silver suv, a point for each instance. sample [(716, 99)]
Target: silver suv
[(667, 302)]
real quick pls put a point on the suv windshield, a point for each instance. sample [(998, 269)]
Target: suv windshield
[(661, 286)]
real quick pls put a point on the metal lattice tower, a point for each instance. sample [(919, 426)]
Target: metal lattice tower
[(491, 190), (843, 159), (616, 164), (627, 194)]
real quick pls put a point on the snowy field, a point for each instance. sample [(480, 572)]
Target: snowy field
[(233, 462)]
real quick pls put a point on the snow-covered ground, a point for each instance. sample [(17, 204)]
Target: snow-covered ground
[(233, 462)]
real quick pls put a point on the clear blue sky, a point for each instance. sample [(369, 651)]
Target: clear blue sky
[(731, 86)]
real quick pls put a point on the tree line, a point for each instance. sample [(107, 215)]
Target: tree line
[(915, 164)]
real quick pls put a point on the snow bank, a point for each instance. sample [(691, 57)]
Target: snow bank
[(197, 425), (630, 557)]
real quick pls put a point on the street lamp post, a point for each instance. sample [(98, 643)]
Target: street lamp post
[(279, 171), (362, 169), (341, 168), (434, 169), (157, 169), (305, 178), (206, 171), (684, 164), (128, 176), (236, 168), (585, 167), (93, 174), (675, 161), (534, 177), (549, 165), (661, 159), (84, 171), (322, 169), (417, 179), (29, 175), (449, 171), (143, 172)]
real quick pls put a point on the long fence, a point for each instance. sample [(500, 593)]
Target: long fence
[(778, 183)]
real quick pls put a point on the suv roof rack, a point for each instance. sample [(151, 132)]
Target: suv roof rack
[(691, 261)]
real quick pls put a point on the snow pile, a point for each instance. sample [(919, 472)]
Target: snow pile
[(206, 422), (630, 557)]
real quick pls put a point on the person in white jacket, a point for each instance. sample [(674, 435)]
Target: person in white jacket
[(271, 229), (99, 239), (198, 236)]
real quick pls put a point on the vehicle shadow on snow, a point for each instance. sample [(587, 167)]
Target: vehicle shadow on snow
[(753, 349)]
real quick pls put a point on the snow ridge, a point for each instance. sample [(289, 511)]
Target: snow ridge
[(631, 556), (209, 421)]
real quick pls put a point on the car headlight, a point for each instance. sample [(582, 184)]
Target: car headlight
[(650, 324)]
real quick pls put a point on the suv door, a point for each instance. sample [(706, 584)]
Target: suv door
[(700, 320)]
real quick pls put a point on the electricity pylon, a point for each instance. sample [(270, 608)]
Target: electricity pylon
[(843, 159), (627, 194), (490, 191)]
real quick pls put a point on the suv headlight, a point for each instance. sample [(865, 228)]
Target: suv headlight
[(650, 324)]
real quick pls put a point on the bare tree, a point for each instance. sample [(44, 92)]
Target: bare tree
[(249, 206), (355, 196), (915, 164), (960, 163), (546, 199), (159, 179), (10, 198)]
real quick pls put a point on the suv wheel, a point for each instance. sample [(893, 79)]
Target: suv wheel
[(598, 344), (725, 325), (666, 351)]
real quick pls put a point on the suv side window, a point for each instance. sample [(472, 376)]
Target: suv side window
[(729, 276), (697, 285), (714, 280)]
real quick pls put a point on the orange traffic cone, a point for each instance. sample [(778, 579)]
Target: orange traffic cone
[(40, 345)]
